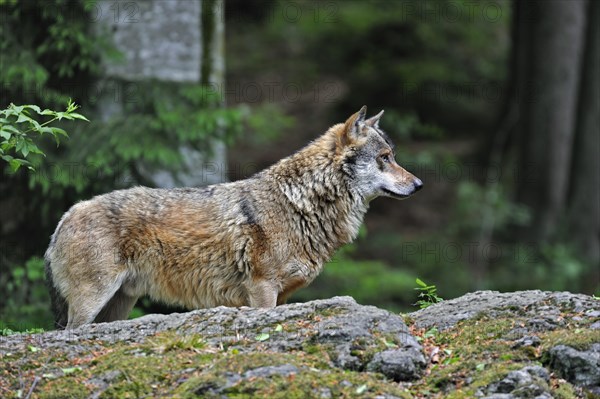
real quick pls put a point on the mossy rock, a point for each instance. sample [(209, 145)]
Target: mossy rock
[(502, 345)]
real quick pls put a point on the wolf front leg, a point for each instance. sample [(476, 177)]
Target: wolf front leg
[(262, 294)]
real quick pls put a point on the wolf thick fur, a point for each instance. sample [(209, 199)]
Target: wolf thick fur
[(246, 243)]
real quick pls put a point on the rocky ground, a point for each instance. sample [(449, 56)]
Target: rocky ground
[(528, 344)]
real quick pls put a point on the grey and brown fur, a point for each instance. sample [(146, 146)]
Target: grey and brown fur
[(247, 243)]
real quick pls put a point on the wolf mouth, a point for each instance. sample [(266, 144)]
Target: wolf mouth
[(395, 195)]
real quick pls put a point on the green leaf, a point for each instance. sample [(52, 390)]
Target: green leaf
[(71, 106), (23, 118), (451, 360), (33, 149), (36, 125), (11, 128), (420, 282), (4, 134), (279, 328), (33, 107), (480, 367), (262, 337), (432, 332), (16, 109), (70, 370), (57, 130), (20, 144), (14, 165), (78, 116), (361, 389), (32, 348)]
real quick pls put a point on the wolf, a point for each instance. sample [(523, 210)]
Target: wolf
[(251, 242)]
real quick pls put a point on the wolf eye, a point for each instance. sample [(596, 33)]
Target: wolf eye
[(386, 158)]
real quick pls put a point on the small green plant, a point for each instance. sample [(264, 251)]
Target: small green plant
[(18, 127), (4, 332), (427, 295)]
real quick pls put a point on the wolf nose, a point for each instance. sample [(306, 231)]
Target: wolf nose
[(418, 184)]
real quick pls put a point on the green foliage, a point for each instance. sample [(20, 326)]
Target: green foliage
[(555, 266), (562, 264), (26, 300), (428, 294), (404, 55), (124, 150), (47, 48), (368, 282), (17, 126), (409, 126), (475, 202), (267, 122), (512, 265)]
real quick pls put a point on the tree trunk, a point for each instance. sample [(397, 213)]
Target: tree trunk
[(584, 206), (549, 115), (177, 41)]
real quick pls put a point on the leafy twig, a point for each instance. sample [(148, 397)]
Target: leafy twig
[(16, 143)]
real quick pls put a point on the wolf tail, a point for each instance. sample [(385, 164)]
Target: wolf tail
[(59, 303)]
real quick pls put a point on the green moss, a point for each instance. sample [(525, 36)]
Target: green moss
[(59, 389), (564, 391), (171, 341), (312, 376), (313, 349), (476, 353), (409, 320), (578, 338)]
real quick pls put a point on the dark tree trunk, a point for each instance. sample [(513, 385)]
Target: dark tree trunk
[(584, 204), (549, 109)]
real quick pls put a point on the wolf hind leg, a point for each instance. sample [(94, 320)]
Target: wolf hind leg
[(83, 307), (117, 308)]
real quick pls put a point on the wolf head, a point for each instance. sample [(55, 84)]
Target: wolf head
[(368, 157)]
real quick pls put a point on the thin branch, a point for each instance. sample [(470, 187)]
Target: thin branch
[(35, 381)]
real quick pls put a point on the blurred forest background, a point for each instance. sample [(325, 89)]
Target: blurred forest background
[(493, 104)]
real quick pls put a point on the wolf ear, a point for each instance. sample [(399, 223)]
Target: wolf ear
[(374, 121), (352, 126)]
